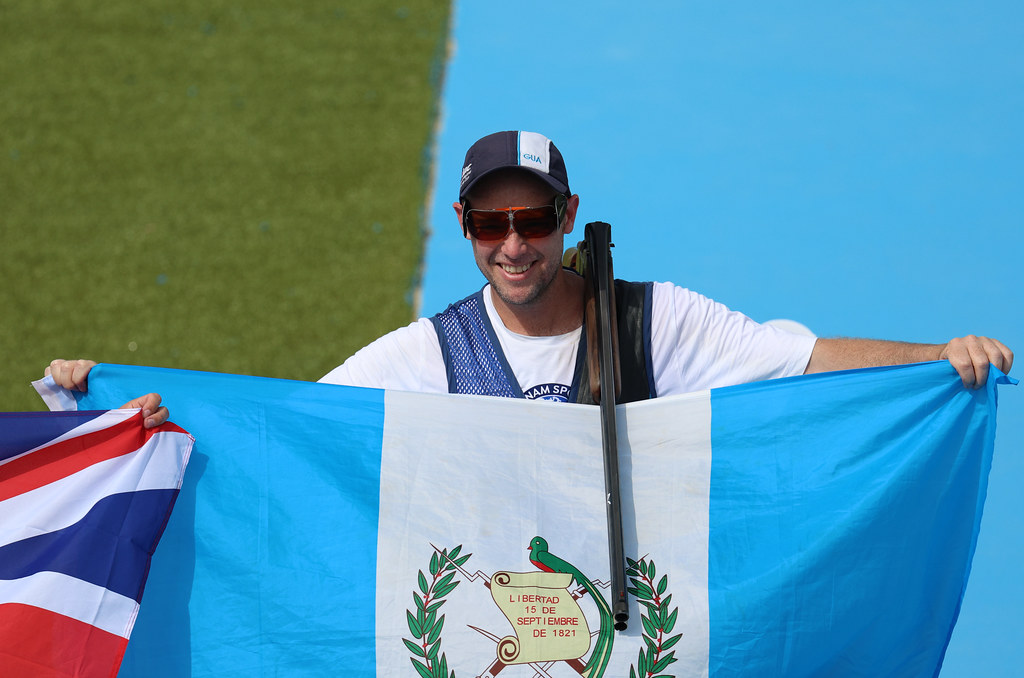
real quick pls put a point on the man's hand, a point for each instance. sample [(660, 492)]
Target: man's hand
[(971, 355), (152, 413), (73, 375)]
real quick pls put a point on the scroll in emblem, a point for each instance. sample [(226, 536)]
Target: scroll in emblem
[(547, 621)]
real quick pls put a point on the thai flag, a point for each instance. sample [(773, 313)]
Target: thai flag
[(84, 498)]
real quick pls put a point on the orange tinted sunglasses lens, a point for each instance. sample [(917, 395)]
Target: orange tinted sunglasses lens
[(528, 222)]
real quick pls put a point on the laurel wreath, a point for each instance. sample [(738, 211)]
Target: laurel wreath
[(425, 626), (658, 621)]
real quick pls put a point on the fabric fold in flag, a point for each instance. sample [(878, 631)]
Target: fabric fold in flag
[(84, 499), (819, 525)]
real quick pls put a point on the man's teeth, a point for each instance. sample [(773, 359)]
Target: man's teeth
[(515, 269)]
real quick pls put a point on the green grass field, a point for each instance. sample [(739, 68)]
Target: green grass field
[(235, 187)]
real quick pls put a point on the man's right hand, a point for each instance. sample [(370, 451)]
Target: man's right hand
[(73, 375), (70, 374)]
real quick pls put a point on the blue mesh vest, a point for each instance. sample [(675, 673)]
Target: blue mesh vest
[(476, 365)]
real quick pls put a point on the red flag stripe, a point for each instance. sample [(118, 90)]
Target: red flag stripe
[(66, 457), (43, 644)]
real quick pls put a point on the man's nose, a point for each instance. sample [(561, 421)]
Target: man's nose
[(513, 244)]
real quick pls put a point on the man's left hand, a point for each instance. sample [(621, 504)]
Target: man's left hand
[(970, 357)]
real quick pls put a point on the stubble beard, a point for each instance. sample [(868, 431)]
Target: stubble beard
[(520, 296)]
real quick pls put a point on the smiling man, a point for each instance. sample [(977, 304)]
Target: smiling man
[(521, 335), (518, 254)]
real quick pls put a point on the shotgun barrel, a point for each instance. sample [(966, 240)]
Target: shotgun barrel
[(597, 242)]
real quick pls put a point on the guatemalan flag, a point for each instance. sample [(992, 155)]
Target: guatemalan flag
[(814, 526), (84, 498)]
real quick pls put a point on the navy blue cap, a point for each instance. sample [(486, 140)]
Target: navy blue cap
[(524, 150)]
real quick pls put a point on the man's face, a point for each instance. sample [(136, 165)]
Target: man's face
[(520, 270)]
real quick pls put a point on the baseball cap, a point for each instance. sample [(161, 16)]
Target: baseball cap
[(526, 150)]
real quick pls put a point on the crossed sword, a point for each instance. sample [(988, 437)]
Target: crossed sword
[(540, 669)]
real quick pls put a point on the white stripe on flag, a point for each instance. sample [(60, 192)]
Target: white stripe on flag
[(471, 475), (157, 465), (57, 399), (73, 598), (668, 483)]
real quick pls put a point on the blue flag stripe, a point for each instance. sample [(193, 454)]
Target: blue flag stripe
[(24, 431), (790, 504), (276, 523), (93, 549)]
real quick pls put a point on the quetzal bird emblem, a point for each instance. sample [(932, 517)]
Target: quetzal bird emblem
[(602, 646)]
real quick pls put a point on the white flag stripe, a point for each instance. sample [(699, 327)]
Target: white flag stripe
[(57, 399), (460, 467), (73, 598), (666, 463), (157, 465), (478, 465), (105, 420)]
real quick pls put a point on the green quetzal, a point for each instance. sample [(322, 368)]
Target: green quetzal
[(548, 562)]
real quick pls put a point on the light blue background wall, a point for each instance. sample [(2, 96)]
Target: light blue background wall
[(858, 167)]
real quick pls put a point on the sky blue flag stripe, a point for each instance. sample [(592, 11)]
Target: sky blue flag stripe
[(93, 549), (288, 471), (786, 500)]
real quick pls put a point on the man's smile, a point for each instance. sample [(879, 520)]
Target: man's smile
[(509, 268)]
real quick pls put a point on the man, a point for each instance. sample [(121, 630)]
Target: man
[(520, 336)]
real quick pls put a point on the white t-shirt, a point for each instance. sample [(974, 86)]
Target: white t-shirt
[(543, 366), (696, 344)]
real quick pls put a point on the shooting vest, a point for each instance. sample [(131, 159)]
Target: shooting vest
[(476, 365)]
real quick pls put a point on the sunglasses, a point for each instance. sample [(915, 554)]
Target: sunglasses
[(529, 222)]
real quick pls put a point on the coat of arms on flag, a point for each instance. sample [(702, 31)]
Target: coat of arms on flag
[(548, 624)]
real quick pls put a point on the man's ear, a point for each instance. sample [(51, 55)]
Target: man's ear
[(571, 205), (458, 214)]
